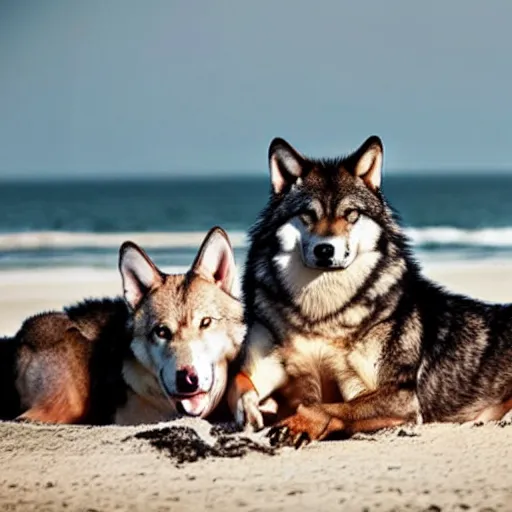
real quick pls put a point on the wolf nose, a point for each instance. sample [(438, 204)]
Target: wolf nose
[(187, 381), (324, 251)]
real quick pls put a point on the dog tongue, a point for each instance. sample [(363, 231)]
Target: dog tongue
[(196, 404)]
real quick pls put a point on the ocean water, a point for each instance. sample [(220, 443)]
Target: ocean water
[(82, 224)]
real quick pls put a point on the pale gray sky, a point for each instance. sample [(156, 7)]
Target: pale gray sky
[(128, 87)]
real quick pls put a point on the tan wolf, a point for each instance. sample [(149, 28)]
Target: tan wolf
[(162, 351)]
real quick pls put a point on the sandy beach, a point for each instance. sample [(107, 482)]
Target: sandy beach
[(429, 467), (321, 134)]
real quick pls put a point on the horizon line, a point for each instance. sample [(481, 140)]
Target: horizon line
[(211, 175)]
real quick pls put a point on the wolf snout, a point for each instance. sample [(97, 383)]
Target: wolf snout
[(324, 251), (187, 380)]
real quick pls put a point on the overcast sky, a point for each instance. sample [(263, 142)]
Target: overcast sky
[(130, 87)]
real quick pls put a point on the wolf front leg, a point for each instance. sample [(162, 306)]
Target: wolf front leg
[(386, 407), (262, 373)]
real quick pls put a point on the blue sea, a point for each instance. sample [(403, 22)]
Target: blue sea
[(82, 224)]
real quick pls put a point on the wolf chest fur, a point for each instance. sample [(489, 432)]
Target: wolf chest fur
[(333, 295)]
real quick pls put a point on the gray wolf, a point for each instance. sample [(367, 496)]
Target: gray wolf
[(160, 351), (343, 326)]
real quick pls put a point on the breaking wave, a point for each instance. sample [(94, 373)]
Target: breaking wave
[(499, 238), (427, 237), (68, 240)]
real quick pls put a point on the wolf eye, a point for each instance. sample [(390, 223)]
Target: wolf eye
[(309, 217), (352, 216), (163, 332), (205, 322)]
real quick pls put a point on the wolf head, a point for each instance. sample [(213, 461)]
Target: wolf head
[(330, 209), (188, 327)]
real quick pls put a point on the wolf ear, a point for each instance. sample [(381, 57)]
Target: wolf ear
[(215, 259), (139, 274), (367, 162), (286, 165)]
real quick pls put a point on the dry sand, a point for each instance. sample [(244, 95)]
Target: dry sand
[(429, 467)]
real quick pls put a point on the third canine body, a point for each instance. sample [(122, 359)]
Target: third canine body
[(338, 311)]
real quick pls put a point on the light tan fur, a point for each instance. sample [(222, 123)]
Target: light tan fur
[(173, 331), (145, 401), (180, 304), (495, 412)]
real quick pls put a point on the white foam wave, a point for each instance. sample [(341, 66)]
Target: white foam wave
[(487, 237), (440, 236), (67, 240)]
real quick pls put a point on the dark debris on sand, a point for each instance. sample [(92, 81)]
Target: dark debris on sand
[(183, 444), (220, 429)]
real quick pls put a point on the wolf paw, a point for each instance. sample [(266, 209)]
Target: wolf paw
[(247, 413), (507, 418), (306, 425), (28, 421), (281, 435)]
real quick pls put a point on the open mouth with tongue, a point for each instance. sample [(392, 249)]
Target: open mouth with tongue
[(191, 404)]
